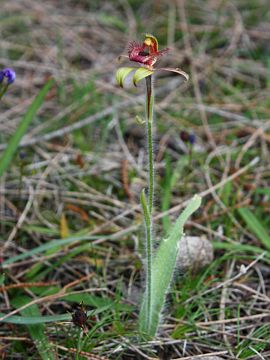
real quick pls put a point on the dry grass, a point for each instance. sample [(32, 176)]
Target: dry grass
[(80, 168)]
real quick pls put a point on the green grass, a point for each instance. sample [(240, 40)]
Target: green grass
[(80, 175), (14, 142)]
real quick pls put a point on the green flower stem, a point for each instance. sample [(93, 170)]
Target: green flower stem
[(148, 206), (148, 231), (161, 266), (3, 89), (149, 123)]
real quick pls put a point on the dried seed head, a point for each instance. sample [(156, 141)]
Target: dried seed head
[(79, 317)]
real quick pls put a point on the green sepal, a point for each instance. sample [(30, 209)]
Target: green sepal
[(139, 120), (140, 74), (121, 74)]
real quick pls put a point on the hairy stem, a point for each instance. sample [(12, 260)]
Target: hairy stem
[(159, 269), (149, 129), (148, 233), (148, 205)]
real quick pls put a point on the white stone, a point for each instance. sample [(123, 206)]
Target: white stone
[(194, 252)]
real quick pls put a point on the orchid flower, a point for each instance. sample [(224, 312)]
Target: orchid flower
[(146, 54), (159, 266)]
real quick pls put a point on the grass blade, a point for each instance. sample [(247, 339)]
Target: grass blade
[(22, 128), (36, 331), (56, 243), (36, 319), (255, 226)]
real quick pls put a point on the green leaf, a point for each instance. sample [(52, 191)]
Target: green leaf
[(26, 320), (263, 191), (121, 74), (163, 268), (140, 74), (29, 320), (97, 302), (36, 331), (255, 226), (237, 248), (22, 128), (53, 244), (2, 279)]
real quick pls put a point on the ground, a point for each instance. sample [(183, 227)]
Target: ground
[(71, 223)]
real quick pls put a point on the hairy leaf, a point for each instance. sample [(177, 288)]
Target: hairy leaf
[(163, 269)]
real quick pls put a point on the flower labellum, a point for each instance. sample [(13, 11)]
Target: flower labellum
[(146, 53)]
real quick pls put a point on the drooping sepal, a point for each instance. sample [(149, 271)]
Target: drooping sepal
[(121, 74), (177, 71), (140, 74)]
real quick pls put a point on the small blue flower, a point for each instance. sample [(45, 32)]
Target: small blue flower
[(9, 74), (192, 139), (187, 137)]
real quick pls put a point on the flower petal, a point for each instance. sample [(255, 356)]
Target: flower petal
[(152, 42), (140, 74), (120, 57), (121, 74), (177, 71)]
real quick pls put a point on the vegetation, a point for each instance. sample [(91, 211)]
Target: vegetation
[(74, 163)]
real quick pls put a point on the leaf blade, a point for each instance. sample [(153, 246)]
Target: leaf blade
[(255, 226), (14, 142), (32, 320), (163, 269), (36, 331), (56, 243)]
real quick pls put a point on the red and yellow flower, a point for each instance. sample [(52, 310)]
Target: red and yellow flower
[(147, 55)]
